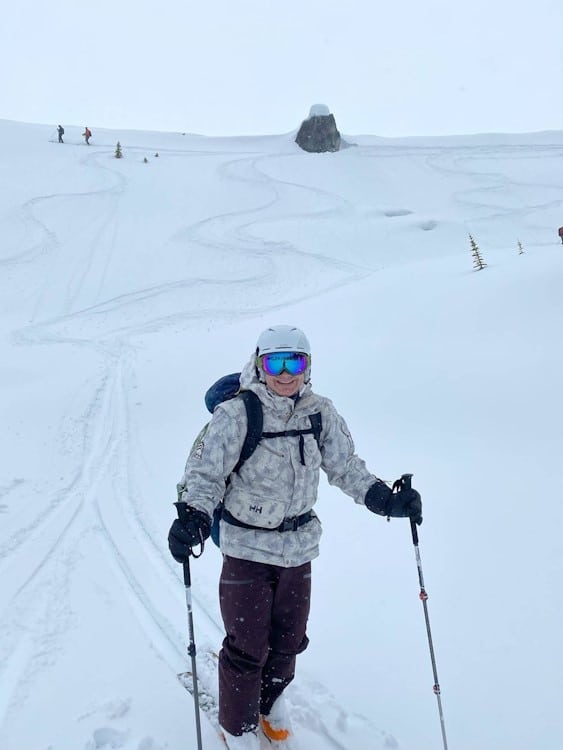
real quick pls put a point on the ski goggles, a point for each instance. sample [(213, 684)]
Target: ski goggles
[(295, 363)]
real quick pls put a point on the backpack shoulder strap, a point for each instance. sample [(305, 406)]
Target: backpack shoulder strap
[(317, 426), (255, 420), (314, 430)]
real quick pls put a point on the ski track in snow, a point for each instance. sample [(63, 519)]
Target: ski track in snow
[(147, 310), (103, 499), (457, 160), (100, 499), (462, 164)]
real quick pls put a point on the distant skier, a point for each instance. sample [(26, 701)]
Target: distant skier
[(269, 532), (561, 234), (87, 135), (61, 132)]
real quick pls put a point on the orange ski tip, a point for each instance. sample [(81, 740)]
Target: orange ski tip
[(277, 735)]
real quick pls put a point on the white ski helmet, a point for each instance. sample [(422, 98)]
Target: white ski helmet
[(282, 339)]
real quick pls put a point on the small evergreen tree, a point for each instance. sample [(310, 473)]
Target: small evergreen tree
[(520, 248), (118, 151), (478, 262)]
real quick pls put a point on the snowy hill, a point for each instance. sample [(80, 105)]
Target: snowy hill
[(128, 287)]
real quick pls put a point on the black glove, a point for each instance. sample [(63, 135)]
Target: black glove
[(406, 503), (192, 528), (378, 498)]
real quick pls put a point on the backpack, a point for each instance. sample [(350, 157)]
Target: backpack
[(224, 389)]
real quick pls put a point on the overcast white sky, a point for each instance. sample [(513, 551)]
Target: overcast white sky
[(256, 66)]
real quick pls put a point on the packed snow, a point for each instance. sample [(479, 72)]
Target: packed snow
[(129, 286)]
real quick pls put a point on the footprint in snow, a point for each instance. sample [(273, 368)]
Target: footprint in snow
[(148, 743), (427, 226), (106, 738), (117, 709)]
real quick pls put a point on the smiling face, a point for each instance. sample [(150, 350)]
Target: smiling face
[(284, 371), (285, 384)]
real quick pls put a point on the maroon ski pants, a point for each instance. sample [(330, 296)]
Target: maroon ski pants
[(265, 610)]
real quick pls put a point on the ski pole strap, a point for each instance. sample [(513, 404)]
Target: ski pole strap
[(288, 524)]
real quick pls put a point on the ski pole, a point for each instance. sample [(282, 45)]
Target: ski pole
[(405, 483), (182, 512)]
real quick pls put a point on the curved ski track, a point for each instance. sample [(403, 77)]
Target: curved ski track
[(101, 501)]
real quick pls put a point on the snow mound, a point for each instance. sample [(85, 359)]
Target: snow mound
[(319, 110)]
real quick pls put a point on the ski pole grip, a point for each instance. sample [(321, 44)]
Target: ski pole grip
[(406, 484), (182, 510), (406, 481)]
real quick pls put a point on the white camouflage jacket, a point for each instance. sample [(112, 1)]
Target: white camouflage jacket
[(273, 483)]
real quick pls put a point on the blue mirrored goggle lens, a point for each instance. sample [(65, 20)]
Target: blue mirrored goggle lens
[(294, 363)]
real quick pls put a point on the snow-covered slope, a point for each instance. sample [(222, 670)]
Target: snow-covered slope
[(127, 287)]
